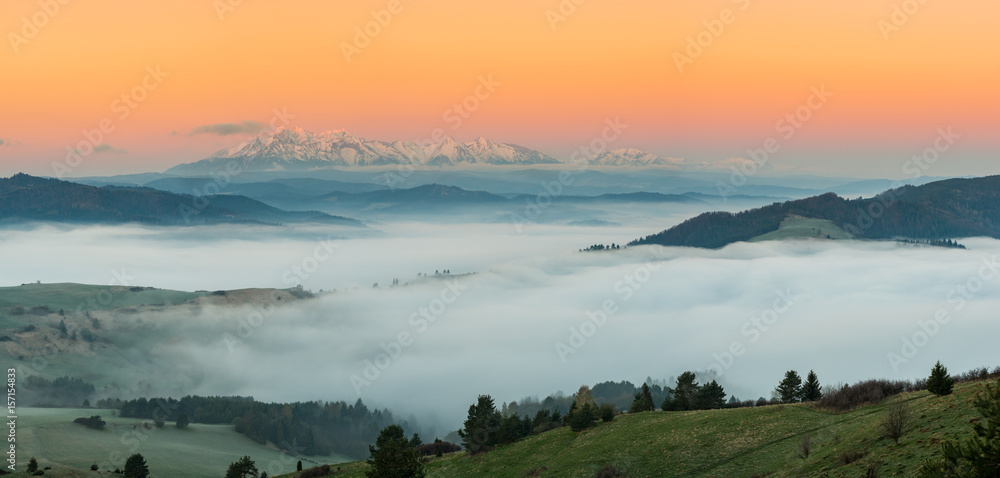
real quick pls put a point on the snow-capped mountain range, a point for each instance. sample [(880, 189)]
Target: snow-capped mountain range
[(636, 158), (296, 149)]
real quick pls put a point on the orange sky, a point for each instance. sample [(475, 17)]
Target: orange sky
[(939, 68)]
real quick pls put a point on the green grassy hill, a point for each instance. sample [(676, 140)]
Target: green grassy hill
[(938, 210), (747, 442), (85, 297), (798, 227), (54, 440)]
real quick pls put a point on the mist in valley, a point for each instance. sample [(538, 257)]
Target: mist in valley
[(519, 313)]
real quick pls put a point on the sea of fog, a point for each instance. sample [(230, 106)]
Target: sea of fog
[(523, 312)]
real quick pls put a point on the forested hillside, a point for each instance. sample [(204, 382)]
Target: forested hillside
[(938, 210)]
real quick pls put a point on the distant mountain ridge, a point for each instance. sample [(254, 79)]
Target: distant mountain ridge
[(25, 198), (632, 157), (295, 149), (945, 209), (298, 149)]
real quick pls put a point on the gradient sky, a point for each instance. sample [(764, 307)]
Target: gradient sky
[(892, 88)]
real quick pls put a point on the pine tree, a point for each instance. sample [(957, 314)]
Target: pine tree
[(940, 383), (978, 456), (480, 428), (789, 390), (242, 468), (392, 457), (510, 430), (685, 393), (811, 390), (582, 418), (135, 467), (182, 420), (643, 400), (32, 465), (647, 398), (710, 396)]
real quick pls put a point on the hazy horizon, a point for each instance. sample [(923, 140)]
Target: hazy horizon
[(698, 81)]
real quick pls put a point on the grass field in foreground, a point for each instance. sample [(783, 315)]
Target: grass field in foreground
[(54, 440), (748, 442)]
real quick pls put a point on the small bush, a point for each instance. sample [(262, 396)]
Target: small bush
[(437, 448), (896, 420), (851, 456), (606, 412), (868, 392), (611, 471), (873, 469), (316, 472), (805, 447), (535, 472), (95, 422), (982, 373)]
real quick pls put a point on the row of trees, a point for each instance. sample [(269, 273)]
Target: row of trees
[(308, 428), (487, 427), (687, 394), (792, 389), (61, 392), (602, 247)]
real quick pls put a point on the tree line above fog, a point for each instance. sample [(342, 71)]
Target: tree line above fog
[(934, 211)]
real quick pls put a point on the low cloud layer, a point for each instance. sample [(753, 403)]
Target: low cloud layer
[(226, 129), (535, 317)]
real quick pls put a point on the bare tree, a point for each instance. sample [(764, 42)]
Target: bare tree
[(805, 447), (896, 420)]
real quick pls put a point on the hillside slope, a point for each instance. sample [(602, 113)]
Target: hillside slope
[(939, 210), (745, 442), (28, 198)]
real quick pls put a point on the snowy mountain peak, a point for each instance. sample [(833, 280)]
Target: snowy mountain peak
[(635, 157), (482, 142), (287, 148), (294, 148)]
